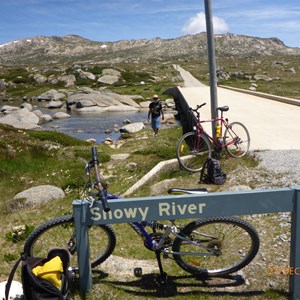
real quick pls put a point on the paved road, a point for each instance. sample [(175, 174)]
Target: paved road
[(189, 79), (272, 125)]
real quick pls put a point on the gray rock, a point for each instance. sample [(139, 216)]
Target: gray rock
[(121, 98), (121, 108), (26, 105), (22, 118), (55, 104), (61, 115), (8, 109), (145, 104), (133, 128), (108, 79), (111, 72), (45, 119), (102, 98), (93, 99), (86, 75), (68, 80), (38, 113), (51, 95), (40, 194), (262, 77), (40, 78)]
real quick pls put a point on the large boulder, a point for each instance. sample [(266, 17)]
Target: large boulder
[(121, 98), (40, 194), (22, 118), (92, 99), (104, 99)]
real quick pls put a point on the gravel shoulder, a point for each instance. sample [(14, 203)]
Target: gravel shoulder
[(283, 162)]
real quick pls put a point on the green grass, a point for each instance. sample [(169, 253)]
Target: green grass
[(27, 161)]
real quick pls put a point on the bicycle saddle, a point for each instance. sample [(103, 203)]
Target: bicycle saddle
[(187, 191), (223, 108)]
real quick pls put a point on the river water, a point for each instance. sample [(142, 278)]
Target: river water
[(84, 126)]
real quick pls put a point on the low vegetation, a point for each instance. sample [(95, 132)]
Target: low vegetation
[(30, 158)]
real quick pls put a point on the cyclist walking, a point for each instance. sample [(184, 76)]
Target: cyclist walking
[(155, 111)]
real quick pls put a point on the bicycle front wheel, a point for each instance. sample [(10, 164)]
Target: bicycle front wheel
[(237, 139), (60, 233), (192, 150), (225, 245)]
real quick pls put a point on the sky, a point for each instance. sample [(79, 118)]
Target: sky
[(114, 20)]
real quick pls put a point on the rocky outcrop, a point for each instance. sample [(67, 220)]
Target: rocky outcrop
[(88, 100)]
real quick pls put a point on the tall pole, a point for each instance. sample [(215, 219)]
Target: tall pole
[(212, 63)]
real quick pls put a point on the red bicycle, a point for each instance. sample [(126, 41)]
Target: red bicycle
[(195, 147)]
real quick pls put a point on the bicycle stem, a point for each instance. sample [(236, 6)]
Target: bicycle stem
[(101, 185)]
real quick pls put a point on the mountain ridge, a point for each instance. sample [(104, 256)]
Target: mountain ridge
[(43, 50)]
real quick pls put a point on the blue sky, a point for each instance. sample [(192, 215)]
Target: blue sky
[(114, 20)]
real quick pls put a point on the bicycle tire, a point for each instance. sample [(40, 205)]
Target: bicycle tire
[(192, 153), (60, 233), (237, 240), (238, 138)]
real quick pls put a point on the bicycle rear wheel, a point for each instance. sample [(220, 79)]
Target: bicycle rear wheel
[(60, 233), (192, 150), (237, 139), (235, 241)]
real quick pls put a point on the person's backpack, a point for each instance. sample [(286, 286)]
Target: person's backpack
[(57, 284), (211, 172)]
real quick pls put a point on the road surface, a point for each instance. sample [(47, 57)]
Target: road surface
[(272, 125)]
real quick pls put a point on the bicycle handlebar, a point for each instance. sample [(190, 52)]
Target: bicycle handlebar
[(197, 108), (101, 184)]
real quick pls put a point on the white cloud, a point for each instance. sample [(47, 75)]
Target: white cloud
[(197, 24)]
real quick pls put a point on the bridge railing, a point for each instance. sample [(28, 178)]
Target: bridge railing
[(187, 207)]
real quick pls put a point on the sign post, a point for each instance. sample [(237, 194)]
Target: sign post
[(212, 63), (187, 207)]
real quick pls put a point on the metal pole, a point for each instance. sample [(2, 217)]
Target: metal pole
[(212, 63)]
